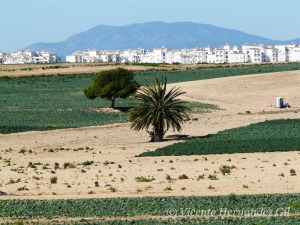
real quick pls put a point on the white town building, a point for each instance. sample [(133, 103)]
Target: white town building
[(249, 53), (28, 56)]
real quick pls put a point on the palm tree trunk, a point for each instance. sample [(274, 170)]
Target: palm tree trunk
[(113, 102), (158, 135)]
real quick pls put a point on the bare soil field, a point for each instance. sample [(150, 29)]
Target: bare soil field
[(101, 161), (78, 68), (18, 70), (37, 70)]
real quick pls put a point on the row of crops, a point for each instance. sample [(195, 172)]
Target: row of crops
[(51, 102), (211, 73), (268, 136), (292, 220), (209, 207), (54, 102)]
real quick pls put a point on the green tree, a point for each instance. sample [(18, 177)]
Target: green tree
[(112, 84), (158, 110)]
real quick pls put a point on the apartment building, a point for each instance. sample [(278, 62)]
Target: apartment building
[(28, 56), (197, 55), (2, 56), (251, 53)]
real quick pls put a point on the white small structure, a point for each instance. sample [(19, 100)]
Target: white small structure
[(279, 102)]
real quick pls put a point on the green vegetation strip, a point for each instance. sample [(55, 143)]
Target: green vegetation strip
[(153, 206), (268, 136), (293, 220), (283, 220), (56, 102), (211, 73)]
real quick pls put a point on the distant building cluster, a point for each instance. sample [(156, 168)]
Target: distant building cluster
[(28, 56), (250, 53)]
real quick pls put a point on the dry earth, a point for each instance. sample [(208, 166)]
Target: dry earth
[(19, 70), (113, 148), (38, 71)]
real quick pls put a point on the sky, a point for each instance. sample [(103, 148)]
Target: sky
[(24, 22)]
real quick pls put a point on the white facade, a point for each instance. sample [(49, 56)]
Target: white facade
[(28, 56), (293, 53), (282, 53), (270, 54), (197, 55), (250, 53), (160, 54), (237, 57)]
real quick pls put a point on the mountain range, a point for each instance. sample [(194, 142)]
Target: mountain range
[(153, 35)]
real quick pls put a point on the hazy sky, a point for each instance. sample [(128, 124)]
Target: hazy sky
[(23, 22)]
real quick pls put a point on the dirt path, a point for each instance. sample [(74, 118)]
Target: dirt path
[(148, 217)]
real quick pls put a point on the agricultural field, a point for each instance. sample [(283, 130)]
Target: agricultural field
[(88, 68), (269, 136), (56, 102), (79, 165), (203, 73), (232, 209)]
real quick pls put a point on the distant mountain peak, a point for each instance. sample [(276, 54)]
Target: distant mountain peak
[(151, 35)]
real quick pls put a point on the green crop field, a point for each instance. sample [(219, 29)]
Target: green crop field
[(269, 136), (211, 207), (54, 102), (211, 73), (284, 220), (291, 220)]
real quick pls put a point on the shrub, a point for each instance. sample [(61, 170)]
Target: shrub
[(112, 189), (87, 163), (143, 179), (56, 166), (69, 165), (183, 176), (212, 177), (225, 169), (293, 172), (53, 180), (168, 188)]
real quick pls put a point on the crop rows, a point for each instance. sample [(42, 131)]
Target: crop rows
[(54, 102), (151, 206), (268, 136), (211, 73), (291, 220), (43, 103)]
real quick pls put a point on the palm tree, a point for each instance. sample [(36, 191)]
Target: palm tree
[(158, 110)]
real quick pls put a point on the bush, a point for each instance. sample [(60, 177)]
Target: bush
[(183, 176), (53, 180), (143, 179)]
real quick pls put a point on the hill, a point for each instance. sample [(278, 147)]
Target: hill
[(151, 35)]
